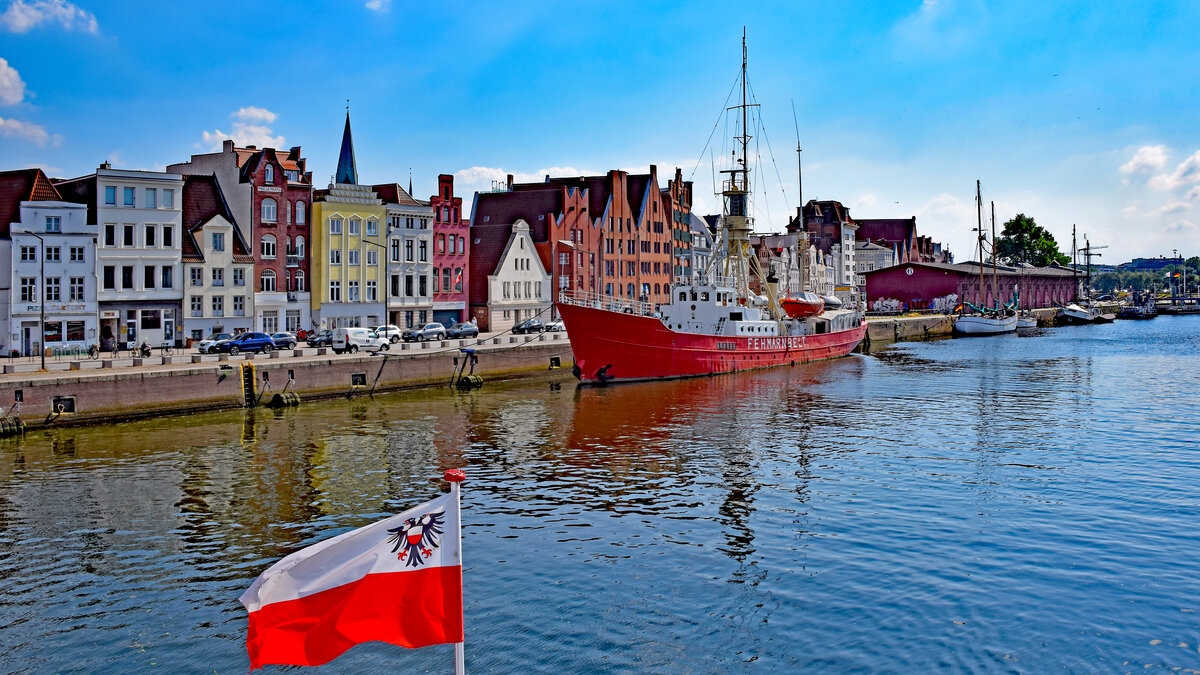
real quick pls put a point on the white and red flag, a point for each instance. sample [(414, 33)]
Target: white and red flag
[(397, 581)]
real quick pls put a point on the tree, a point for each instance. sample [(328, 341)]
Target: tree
[(1024, 241)]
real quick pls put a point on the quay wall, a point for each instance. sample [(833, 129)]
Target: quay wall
[(126, 393)]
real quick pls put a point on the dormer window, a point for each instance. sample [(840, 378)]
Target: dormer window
[(269, 174)]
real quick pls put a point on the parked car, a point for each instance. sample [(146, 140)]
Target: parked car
[(462, 330), (430, 331), (246, 342), (320, 338), (392, 333), (353, 339), (284, 340), (529, 326), (207, 343), (556, 325)]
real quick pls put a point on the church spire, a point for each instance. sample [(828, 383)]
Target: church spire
[(347, 171)]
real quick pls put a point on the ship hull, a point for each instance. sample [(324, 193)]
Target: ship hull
[(615, 347)]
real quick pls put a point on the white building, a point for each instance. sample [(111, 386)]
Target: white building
[(218, 265), (702, 244), (138, 215), (869, 256), (519, 288), (409, 257)]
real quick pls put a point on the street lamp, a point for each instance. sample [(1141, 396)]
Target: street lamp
[(41, 294)]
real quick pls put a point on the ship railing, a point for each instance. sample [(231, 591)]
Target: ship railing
[(706, 280), (609, 303)]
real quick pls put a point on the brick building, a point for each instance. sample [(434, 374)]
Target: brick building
[(919, 285), (451, 253)]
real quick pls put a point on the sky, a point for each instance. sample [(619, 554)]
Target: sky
[(1073, 113)]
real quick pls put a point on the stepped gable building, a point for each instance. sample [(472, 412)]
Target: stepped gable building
[(451, 255), (269, 194), (613, 235), (218, 267), (347, 245), (408, 291)]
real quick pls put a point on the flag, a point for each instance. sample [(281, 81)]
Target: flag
[(1177, 274), (398, 581), (458, 277)]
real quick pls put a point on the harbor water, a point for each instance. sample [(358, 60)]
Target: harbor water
[(996, 504)]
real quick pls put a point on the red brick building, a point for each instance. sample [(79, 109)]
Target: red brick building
[(917, 285), (451, 254)]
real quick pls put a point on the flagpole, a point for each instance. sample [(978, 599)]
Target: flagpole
[(455, 477)]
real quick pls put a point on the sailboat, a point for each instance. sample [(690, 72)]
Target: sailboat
[(714, 323), (998, 319)]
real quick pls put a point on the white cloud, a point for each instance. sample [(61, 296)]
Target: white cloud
[(867, 199), (1170, 208), (12, 87), (481, 178), (36, 133), (246, 131), (377, 5), (22, 16), (1187, 172), (1181, 227), (1193, 194), (115, 158), (1147, 158)]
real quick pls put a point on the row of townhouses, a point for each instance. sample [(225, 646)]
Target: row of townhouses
[(239, 239)]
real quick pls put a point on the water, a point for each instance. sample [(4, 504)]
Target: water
[(991, 504)]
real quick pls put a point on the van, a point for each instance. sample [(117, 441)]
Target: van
[(353, 339)]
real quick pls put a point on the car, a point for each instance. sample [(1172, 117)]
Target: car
[(430, 331), (320, 338), (207, 343), (246, 342), (284, 340), (529, 326), (556, 325), (462, 330), (392, 333), (353, 339)]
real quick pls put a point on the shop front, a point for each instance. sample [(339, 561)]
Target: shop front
[(66, 327), (128, 324)]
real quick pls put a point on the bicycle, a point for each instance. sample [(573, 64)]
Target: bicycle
[(93, 352), (165, 349)]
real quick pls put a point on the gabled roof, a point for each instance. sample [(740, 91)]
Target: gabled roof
[(487, 247), (23, 185), (505, 208), (393, 193), (203, 200)]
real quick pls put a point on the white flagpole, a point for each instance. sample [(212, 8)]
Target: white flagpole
[(455, 477)]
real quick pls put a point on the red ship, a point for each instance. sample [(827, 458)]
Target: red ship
[(716, 322)]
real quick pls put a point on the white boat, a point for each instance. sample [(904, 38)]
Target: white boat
[(1027, 321), (975, 324), (1073, 313)]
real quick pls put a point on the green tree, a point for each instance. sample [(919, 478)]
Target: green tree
[(1024, 241)]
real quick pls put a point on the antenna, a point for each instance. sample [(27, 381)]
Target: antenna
[(799, 159)]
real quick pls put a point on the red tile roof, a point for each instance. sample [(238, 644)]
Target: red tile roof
[(487, 245), (505, 208), (202, 201), (393, 193), (22, 185)]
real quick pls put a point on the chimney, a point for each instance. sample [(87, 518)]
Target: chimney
[(227, 145), (251, 147), (105, 165)]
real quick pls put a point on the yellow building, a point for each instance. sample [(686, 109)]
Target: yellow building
[(347, 248)]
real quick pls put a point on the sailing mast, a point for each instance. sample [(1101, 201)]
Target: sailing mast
[(995, 283), (979, 229)]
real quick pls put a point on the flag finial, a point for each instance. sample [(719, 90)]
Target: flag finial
[(454, 475)]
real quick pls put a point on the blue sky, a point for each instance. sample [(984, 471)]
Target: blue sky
[(1070, 113)]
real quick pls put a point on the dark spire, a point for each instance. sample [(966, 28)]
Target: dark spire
[(410, 181), (347, 171)]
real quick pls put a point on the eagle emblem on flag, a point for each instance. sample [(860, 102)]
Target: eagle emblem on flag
[(417, 538)]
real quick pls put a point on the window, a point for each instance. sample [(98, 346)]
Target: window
[(268, 246), (299, 213), (77, 254), (564, 259), (129, 197), (268, 210), (76, 289), (28, 254), (352, 256), (453, 243), (372, 228), (267, 281), (373, 257), (149, 277), (408, 285), (300, 246), (292, 320), (127, 277), (53, 254), (110, 234), (441, 244), (110, 195), (422, 285), (150, 232), (218, 241), (408, 319), (168, 276), (372, 291), (239, 277), (335, 256), (300, 280), (28, 289), (436, 281), (218, 276), (462, 245), (354, 226), (151, 198), (458, 278), (169, 199), (408, 251), (351, 291), (54, 223), (395, 285), (423, 251), (527, 289), (53, 289), (239, 305), (127, 235), (288, 209), (197, 276), (218, 305), (197, 305), (395, 250), (110, 278), (335, 226), (269, 174), (446, 279)]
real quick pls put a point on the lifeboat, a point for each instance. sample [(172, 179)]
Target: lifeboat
[(804, 305)]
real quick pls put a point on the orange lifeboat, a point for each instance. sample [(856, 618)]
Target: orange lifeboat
[(802, 306)]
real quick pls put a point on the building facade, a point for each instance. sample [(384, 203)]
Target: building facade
[(831, 229), (138, 257), (868, 257), (519, 287), (943, 285), (270, 197), (348, 243), (218, 266), (451, 254), (409, 288)]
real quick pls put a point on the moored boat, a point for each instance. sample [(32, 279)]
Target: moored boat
[(977, 324), (803, 305), (1074, 314)]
